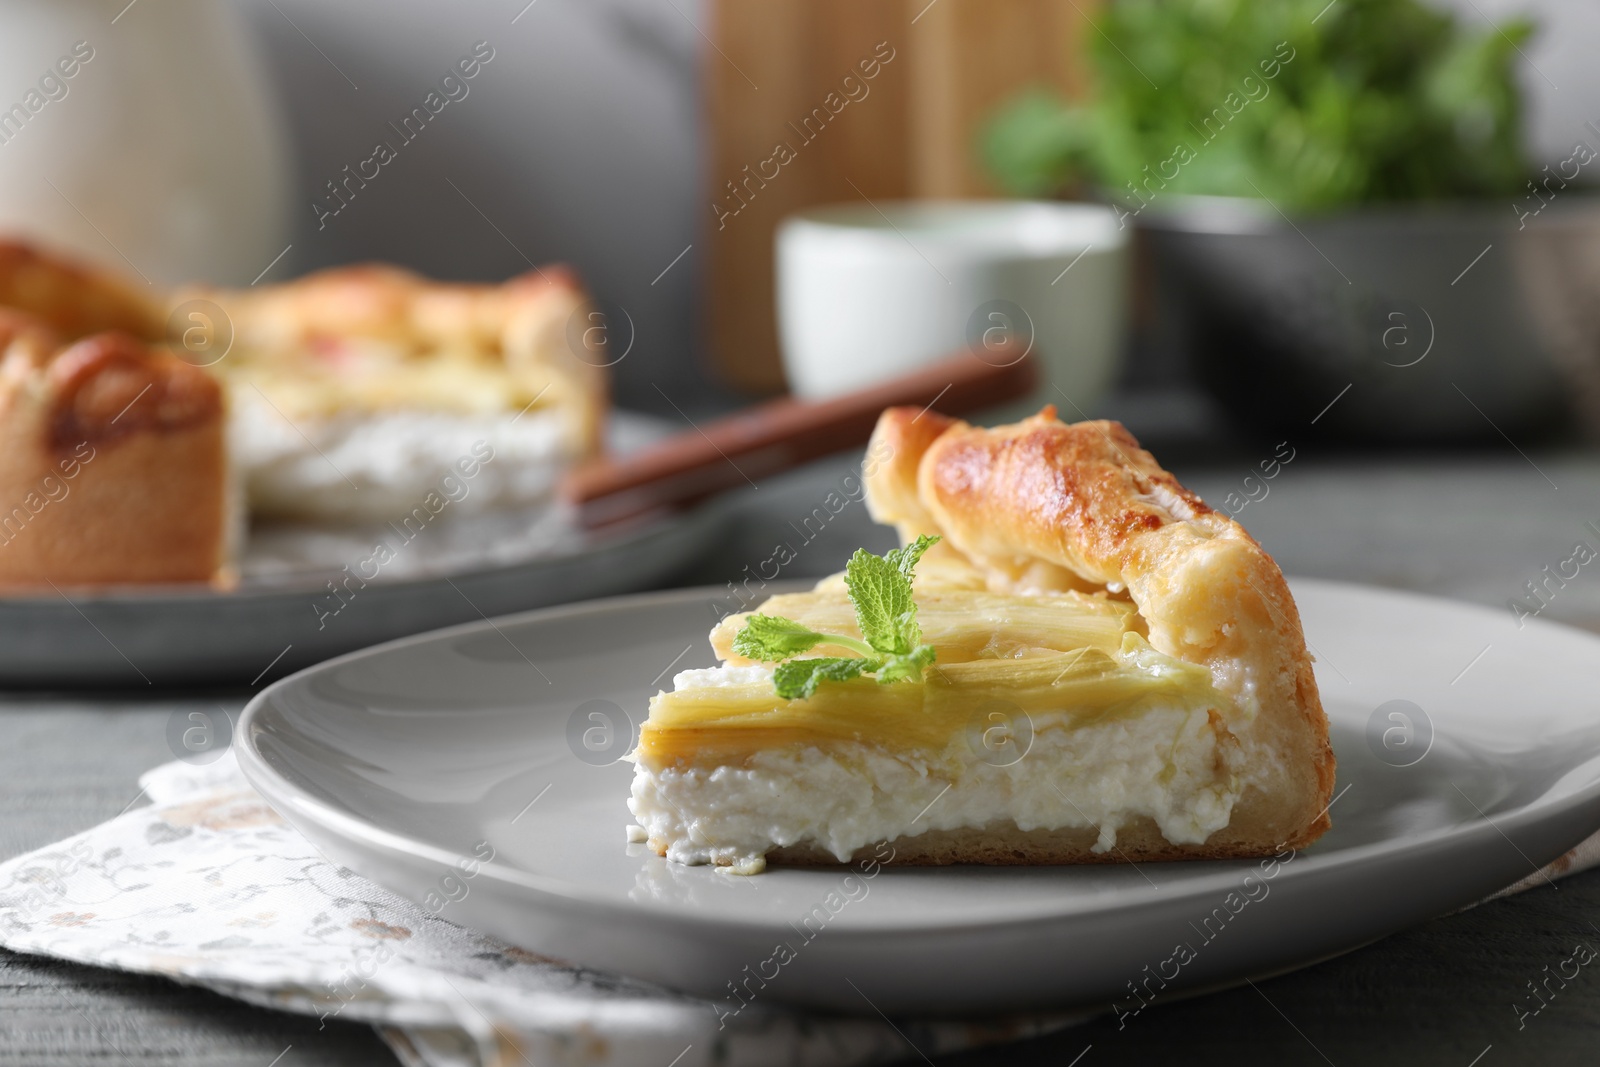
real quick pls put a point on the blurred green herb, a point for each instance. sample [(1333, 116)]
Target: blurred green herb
[(1311, 104), (891, 640)]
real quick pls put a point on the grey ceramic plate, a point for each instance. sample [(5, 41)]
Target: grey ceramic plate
[(402, 761), (185, 635), (284, 616)]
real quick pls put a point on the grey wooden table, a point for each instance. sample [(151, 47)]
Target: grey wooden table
[(1476, 527)]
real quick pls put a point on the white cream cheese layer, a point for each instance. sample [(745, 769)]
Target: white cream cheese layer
[(1162, 763), (376, 466)]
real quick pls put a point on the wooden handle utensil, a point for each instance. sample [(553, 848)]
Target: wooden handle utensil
[(742, 448)]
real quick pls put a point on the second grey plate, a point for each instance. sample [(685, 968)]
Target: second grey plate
[(287, 612)]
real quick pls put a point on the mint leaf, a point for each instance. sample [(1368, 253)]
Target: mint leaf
[(906, 668), (798, 678), (772, 637), (880, 589), (882, 596), (905, 559)]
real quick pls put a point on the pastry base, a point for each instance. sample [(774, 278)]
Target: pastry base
[(1003, 845)]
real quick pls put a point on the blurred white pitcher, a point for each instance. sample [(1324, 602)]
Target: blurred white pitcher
[(140, 136), (866, 292)]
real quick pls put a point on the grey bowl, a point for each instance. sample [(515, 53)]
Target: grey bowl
[(1428, 323)]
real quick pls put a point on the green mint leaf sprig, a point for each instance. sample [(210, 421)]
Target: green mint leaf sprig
[(798, 678), (770, 638), (880, 591)]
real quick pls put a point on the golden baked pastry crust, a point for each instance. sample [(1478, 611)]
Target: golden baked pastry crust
[(70, 298), (1040, 505), (1139, 840), (113, 466)]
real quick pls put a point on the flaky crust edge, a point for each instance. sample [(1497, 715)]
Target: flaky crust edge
[(1044, 505)]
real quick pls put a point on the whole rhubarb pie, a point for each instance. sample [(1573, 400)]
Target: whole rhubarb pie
[(1073, 659), (139, 429)]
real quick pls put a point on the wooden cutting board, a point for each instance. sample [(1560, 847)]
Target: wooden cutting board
[(820, 101)]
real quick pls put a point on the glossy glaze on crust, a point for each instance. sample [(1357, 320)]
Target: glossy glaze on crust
[(1041, 505)]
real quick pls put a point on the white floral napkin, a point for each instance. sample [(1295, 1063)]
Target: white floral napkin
[(207, 885)]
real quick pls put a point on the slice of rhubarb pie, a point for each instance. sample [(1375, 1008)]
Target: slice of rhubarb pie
[(1092, 665), (358, 390)]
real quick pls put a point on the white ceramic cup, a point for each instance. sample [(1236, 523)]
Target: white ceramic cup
[(870, 291)]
